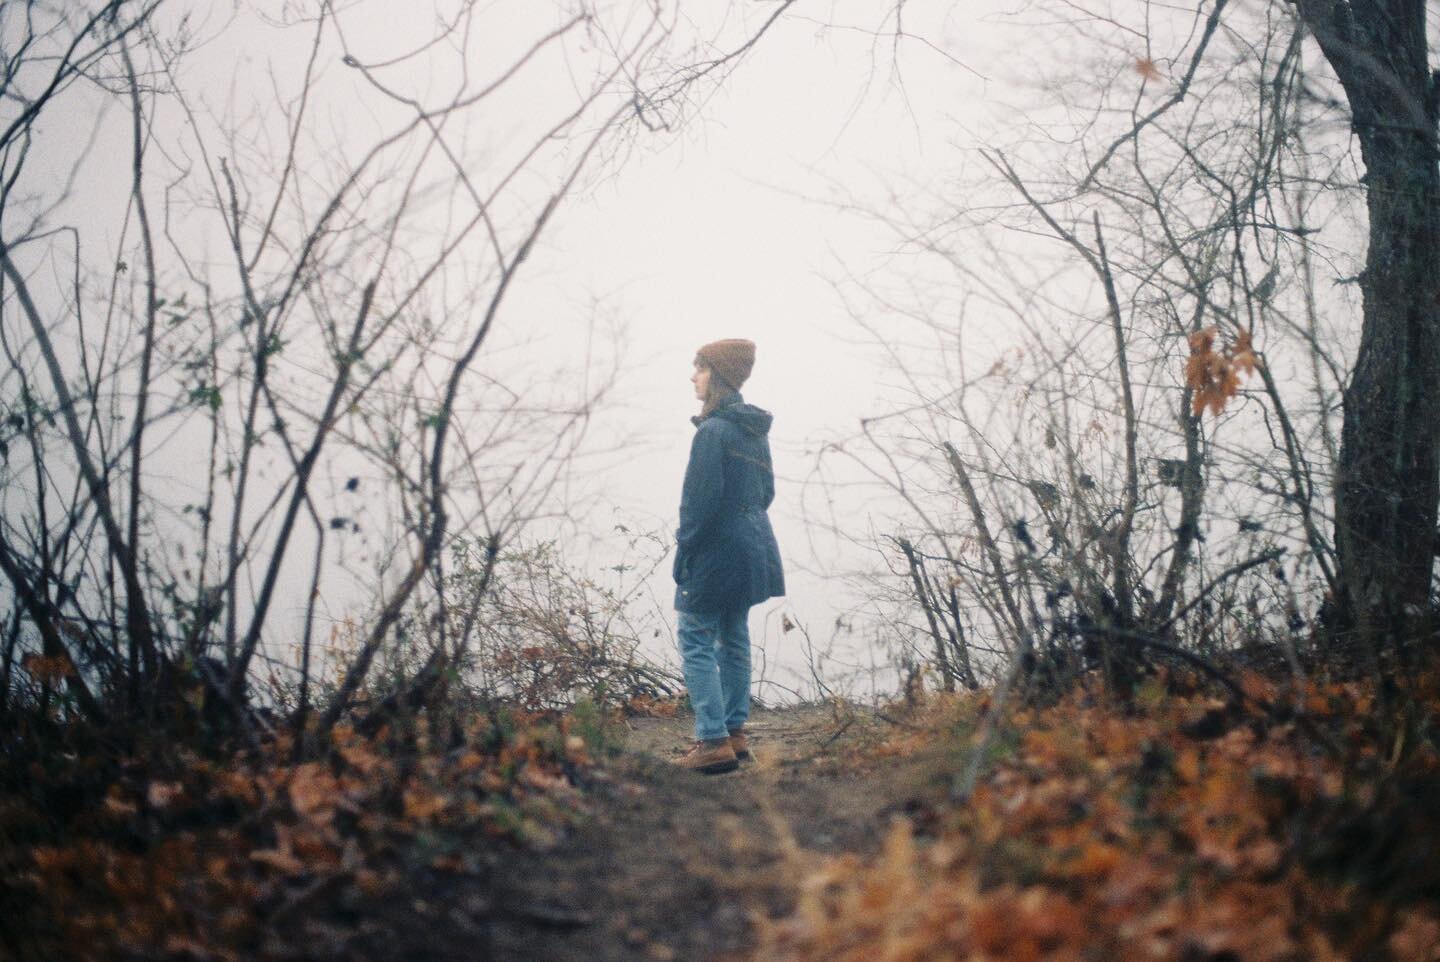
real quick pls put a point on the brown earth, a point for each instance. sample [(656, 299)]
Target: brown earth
[(663, 864)]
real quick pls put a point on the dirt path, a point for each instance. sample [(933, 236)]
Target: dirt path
[(672, 865)]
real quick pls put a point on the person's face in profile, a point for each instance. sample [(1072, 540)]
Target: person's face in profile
[(701, 380)]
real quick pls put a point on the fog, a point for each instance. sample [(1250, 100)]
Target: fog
[(750, 222), (785, 201)]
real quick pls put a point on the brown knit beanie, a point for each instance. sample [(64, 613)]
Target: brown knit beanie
[(731, 360)]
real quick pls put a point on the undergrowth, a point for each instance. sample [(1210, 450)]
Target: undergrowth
[(162, 853), (1174, 826)]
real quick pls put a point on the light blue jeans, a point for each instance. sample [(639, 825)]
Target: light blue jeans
[(715, 656)]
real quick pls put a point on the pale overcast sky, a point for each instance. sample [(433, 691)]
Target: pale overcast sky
[(733, 229), (740, 224)]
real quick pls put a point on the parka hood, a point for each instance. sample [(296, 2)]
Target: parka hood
[(755, 420)]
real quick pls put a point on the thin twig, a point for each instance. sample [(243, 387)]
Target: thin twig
[(1211, 23), (1230, 572)]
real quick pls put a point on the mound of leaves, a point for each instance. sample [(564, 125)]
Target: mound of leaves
[(1176, 827), (171, 855)]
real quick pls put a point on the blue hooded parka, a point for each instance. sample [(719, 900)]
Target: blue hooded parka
[(727, 557)]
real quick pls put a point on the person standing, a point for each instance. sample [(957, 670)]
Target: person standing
[(726, 558)]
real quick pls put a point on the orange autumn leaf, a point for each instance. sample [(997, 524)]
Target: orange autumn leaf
[(283, 862), (163, 794), (421, 804), (1187, 764), (282, 857), (117, 804), (1264, 855), (240, 786), (448, 863), (314, 848), (1202, 341), (1243, 354), (1214, 376), (1028, 927), (471, 761), (48, 670), (1257, 686), (314, 792), (362, 758), (544, 781), (1096, 860), (1417, 939), (1146, 68)]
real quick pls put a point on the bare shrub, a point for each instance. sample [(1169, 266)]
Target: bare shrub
[(252, 382)]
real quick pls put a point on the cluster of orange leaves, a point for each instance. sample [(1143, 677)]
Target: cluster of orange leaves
[(48, 669), (211, 860), (641, 705), (1147, 68), (1131, 835), (1214, 376)]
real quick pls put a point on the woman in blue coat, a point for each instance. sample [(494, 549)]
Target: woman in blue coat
[(726, 559)]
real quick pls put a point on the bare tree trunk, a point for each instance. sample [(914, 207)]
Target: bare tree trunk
[(142, 648), (138, 623), (53, 646), (987, 544), (958, 642), (922, 595), (1124, 600), (1387, 486)]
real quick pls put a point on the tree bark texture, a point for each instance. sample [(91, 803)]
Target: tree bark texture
[(1388, 478)]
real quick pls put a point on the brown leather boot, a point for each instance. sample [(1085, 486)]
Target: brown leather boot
[(739, 744), (709, 757)]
